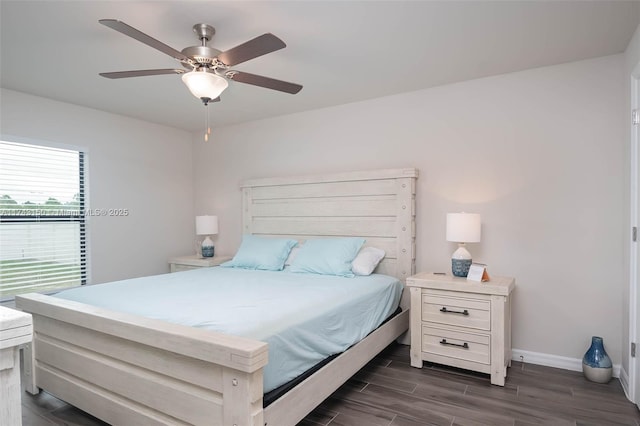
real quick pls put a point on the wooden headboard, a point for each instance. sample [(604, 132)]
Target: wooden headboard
[(378, 205)]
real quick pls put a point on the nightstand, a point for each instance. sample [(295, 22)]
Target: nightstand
[(461, 323), (185, 263), (16, 328)]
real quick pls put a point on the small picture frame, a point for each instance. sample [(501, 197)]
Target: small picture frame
[(478, 272)]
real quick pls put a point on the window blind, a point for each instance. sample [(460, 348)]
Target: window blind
[(42, 219)]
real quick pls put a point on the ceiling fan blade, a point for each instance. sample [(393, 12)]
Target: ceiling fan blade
[(143, 38), (269, 83), (140, 73), (261, 45)]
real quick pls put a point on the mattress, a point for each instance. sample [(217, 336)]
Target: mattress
[(304, 318)]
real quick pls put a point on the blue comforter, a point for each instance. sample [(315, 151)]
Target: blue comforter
[(303, 317)]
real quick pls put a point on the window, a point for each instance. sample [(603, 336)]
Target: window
[(42, 220)]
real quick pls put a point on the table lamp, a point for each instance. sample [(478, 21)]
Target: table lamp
[(207, 225), (462, 228)]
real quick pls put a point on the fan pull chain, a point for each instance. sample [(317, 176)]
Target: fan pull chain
[(208, 125)]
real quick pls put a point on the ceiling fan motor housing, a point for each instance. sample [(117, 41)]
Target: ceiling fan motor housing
[(201, 54)]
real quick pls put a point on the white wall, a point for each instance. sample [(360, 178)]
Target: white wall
[(539, 153), (145, 168)]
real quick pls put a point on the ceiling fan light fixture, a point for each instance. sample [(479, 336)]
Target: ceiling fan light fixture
[(204, 84)]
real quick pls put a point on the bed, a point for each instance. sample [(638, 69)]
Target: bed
[(129, 369)]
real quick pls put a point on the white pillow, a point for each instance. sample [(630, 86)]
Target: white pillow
[(367, 260)]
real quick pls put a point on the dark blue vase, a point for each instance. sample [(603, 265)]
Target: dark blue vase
[(596, 364)]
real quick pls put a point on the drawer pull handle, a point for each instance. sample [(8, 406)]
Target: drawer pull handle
[(465, 345), (446, 311)]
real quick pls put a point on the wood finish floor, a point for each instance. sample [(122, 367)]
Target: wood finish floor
[(389, 392)]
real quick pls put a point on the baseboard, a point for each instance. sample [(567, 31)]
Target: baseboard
[(548, 360)]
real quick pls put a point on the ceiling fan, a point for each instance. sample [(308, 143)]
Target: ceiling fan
[(207, 70)]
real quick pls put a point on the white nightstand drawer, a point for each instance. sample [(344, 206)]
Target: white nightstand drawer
[(458, 344), (459, 311)]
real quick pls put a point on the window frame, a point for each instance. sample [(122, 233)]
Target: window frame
[(81, 217)]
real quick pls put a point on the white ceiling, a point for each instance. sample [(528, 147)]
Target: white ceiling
[(341, 51)]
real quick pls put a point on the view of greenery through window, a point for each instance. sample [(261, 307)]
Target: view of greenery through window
[(8, 205), (42, 224)]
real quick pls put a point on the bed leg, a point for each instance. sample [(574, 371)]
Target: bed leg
[(28, 372), (242, 398)]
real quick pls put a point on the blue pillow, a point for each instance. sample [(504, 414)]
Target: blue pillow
[(328, 256), (261, 253)]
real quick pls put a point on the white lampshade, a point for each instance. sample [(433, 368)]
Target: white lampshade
[(463, 227), (205, 84), (206, 225)]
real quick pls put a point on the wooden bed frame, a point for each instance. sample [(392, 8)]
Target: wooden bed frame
[(126, 369)]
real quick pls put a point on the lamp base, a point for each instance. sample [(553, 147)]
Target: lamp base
[(207, 247), (461, 261), (460, 267)]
